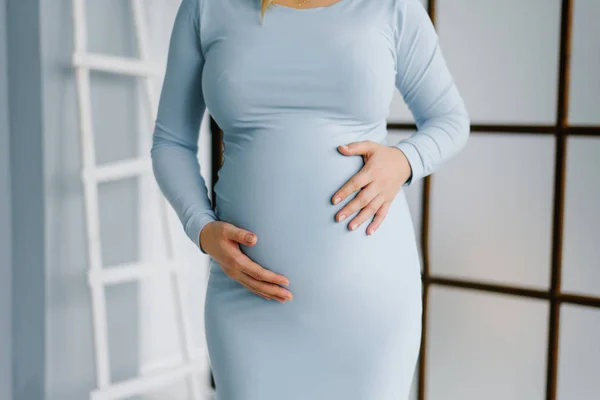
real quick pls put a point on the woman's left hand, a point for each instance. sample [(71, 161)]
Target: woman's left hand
[(386, 169)]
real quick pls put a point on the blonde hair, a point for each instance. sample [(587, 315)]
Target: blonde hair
[(265, 4)]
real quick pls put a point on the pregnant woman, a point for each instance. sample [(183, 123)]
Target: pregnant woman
[(309, 297)]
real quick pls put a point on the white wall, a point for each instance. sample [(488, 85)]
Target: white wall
[(5, 223), (53, 346), (28, 235), (140, 316), (70, 368)]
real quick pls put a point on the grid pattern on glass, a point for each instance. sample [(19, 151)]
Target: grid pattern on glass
[(493, 339), (503, 56), (560, 129), (584, 101), (581, 258), (491, 214), (579, 352)]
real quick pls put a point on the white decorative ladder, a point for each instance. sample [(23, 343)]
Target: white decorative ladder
[(100, 276)]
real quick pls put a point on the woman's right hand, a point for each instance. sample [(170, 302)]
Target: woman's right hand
[(221, 240)]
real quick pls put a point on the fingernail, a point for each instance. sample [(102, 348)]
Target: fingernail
[(352, 227), (342, 217), (249, 237), (336, 200), (343, 146)]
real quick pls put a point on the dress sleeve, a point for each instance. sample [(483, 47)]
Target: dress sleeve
[(423, 79), (177, 128)]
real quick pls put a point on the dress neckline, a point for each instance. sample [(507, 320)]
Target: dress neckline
[(307, 10)]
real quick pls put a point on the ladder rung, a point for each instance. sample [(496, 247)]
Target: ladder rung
[(115, 64), (147, 383), (133, 271), (117, 170)]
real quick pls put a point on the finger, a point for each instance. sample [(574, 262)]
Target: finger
[(363, 147), (367, 212), (246, 265), (236, 272), (241, 235), (269, 289), (235, 275), (354, 184), (379, 217), (264, 296), (253, 290), (361, 200)]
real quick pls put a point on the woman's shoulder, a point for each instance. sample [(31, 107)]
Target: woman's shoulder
[(192, 7)]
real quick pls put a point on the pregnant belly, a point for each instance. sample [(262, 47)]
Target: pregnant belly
[(279, 185)]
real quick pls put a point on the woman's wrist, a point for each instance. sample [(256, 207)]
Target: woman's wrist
[(406, 166), (204, 233), (195, 226), (408, 148)]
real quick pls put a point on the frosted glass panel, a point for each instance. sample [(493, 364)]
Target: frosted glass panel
[(485, 346), (491, 211), (414, 194), (579, 353), (584, 96), (503, 56), (581, 252)]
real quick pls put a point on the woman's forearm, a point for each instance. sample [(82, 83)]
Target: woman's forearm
[(180, 112)]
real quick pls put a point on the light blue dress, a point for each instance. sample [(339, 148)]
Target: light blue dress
[(286, 93)]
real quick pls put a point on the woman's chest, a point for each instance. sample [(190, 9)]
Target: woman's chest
[(342, 68)]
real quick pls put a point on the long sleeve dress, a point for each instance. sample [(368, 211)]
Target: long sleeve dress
[(287, 91)]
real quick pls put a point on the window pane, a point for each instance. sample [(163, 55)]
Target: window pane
[(585, 64), (491, 211), (579, 353), (581, 254), (503, 56), (485, 346)]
